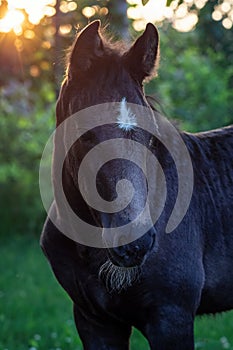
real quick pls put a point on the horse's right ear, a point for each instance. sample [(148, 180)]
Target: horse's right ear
[(143, 56), (87, 46)]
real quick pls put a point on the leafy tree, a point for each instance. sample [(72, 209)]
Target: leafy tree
[(25, 125), (212, 34), (193, 86)]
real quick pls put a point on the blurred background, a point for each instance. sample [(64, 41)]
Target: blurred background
[(194, 85)]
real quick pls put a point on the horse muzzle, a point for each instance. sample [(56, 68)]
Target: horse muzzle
[(134, 253)]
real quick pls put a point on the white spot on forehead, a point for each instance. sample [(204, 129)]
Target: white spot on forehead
[(126, 119)]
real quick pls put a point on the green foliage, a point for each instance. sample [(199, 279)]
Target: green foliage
[(194, 88), (25, 124), (212, 34)]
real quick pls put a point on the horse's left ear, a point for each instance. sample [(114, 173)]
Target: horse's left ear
[(86, 48), (143, 56)]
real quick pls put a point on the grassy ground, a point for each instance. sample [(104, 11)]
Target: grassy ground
[(35, 313)]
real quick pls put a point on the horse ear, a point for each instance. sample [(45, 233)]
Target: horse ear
[(143, 56), (86, 48)]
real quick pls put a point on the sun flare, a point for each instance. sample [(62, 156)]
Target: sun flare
[(20, 10), (22, 15), (12, 20)]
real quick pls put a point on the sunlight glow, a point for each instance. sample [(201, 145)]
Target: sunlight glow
[(65, 29), (19, 45), (34, 71), (46, 45), (88, 11), (182, 10), (153, 11), (227, 23), (223, 11), (15, 15), (186, 23), (200, 4), (174, 4), (217, 15), (64, 7), (12, 20), (29, 34), (225, 7), (182, 15), (103, 11)]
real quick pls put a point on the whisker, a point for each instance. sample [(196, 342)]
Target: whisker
[(117, 278)]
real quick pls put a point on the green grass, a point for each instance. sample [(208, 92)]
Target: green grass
[(35, 313)]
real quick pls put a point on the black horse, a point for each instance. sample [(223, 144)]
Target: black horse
[(158, 282)]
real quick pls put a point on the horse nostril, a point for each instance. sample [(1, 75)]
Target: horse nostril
[(119, 251)]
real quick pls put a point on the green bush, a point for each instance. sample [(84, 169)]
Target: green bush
[(25, 124), (194, 88)]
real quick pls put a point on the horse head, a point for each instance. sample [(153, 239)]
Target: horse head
[(103, 73)]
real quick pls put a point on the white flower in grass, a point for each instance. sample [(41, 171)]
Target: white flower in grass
[(225, 343), (37, 337)]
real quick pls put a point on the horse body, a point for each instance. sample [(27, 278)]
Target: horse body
[(177, 275), (214, 188)]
